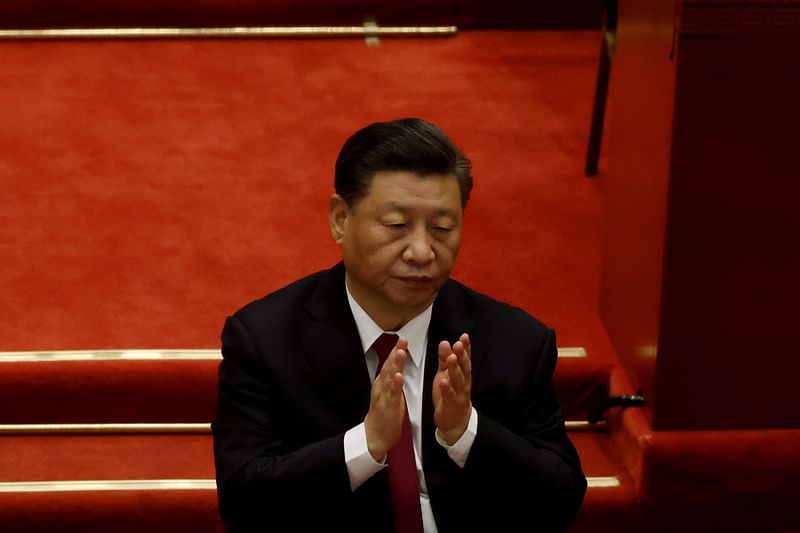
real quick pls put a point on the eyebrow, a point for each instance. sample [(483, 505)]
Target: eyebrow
[(394, 206)]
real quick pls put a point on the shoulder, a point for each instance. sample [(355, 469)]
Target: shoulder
[(289, 301)]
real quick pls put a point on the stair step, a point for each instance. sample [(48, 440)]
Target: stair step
[(54, 407), (605, 509), (165, 483), (179, 386)]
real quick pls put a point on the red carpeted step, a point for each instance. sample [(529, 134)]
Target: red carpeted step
[(167, 387), (165, 483), (74, 457), (612, 504), (581, 384), (184, 499), (714, 480), (180, 387), (108, 391), (121, 511)]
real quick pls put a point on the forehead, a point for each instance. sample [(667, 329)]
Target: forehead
[(404, 190)]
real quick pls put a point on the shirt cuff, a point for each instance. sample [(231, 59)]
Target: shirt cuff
[(360, 464), (459, 451)]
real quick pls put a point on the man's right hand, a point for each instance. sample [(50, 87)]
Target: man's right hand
[(387, 405)]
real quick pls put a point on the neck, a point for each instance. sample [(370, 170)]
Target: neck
[(386, 321)]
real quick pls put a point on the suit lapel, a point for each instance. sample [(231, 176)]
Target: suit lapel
[(333, 349)]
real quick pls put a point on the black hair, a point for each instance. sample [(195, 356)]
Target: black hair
[(408, 144)]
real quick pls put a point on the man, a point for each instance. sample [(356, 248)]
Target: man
[(310, 418)]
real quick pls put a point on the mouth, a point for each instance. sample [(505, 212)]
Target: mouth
[(416, 281)]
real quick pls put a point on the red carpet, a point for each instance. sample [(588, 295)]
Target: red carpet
[(153, 187)]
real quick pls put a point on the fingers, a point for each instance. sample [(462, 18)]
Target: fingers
[(384, 418), (462, 350), (446, 390), (444, 351), (389, 381), (396, 361), (452, 388), (465, 343), (456, 361)]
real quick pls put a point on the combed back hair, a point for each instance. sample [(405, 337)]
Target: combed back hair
[(408, 144)]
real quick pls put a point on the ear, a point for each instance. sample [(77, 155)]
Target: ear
[(338, 213)]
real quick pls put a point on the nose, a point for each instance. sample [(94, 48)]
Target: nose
[(418, 250)]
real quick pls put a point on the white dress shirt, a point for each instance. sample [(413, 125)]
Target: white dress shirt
[(360, 464)]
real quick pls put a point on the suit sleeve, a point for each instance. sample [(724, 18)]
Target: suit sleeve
[(256, 470), (522, 463)]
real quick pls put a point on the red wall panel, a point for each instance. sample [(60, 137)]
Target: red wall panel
[(700, 276), (637, 151), (728, 356)]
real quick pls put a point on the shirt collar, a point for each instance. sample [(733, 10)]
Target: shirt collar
[(415, 330)]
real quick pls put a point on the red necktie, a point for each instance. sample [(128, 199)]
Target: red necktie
[(402, 468)]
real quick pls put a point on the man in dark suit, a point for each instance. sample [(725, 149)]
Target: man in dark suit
[(308, 416)]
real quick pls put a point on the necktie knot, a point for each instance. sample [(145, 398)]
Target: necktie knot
[(383, 347)]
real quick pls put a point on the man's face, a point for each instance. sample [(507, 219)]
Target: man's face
[(399, 243)]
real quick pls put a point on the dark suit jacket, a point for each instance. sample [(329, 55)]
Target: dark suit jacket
[(294, 379)]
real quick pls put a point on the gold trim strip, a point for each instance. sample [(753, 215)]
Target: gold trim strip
[(230, 32), (584, 425), (173, 484), (154, 355), (109, 355), (202, 428), (29, 429), (603, 482), (572, 351), (110, 484)]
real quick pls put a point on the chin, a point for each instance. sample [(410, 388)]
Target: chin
[(417, 303)]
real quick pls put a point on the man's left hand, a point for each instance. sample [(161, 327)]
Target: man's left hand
[(451, 389)]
